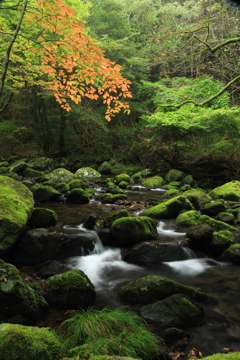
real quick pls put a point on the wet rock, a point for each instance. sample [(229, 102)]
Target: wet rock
[(45, 193), (128, 231), (220, 241), (154, 252), (231, 254), (110, 219), (40, 245), (175, 311), (90, 222), (70, 290), (169, 209), (78, 196), (226, 217), (152, 288), (229, 191), (42, 217), (200, 235), (213, 208), (16, 297)]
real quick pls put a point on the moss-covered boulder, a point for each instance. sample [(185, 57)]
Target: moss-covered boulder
[(42, 164), (169, 209), (105, 168), (109, 198), (194, 218), (174, 175), (18, 342), (200, 235), (197, 196), (110, 219), (31, 173), (127, 231), (70, 290), (152, 288), (175, 311), (77, 183), (226, 217), (213, 208), (124, 185), (45, 193), (231, 254), (229, 191), (78, 196), (18, 167), (42, 217), (16, 206), (188, 180), (230, 356), (62, 187), (220, 241), (154, 182), (87, 172), (16, 297), (4, 170), (122, 177), (60, 175)]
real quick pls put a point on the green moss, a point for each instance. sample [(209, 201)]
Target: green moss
[(4, 169), (122, 177), (229, 191), (87, 172), (16, 205), (42, 217), (231, 356), (220, 241), (60, 175), (78, 196), (63, 188), (153, 182), (130, 230), (119, 214), (169, 209), (44, 193), (174, 175), (77, 183), (193, 218), (18, 342), (196, 196)]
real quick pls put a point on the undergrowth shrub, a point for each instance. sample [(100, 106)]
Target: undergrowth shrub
[(109, 332)]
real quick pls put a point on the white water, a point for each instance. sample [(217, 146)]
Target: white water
[(191, 267), (169, 232)]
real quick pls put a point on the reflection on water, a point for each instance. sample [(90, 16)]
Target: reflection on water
[(107, 271)]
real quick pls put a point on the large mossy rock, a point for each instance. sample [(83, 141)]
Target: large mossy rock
[(174, 175), (229, 191), (16, 206), (18, 342), (110, 219), (42, 218), (176, 310), (231, 254), (122, 177), (39, 245), (197, 196), (213, 208), (42, 164), (153, 182), (45, 193), (231, 356), (70, 290), (16, 297), (78, 196), (128, 231), (60, 175), (220, 241), (87, 172), (169, 209), (194, 218), (152, 288)]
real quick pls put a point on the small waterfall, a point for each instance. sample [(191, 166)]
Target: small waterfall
[(191, 267), (189, 253), (99, 248), (167, 232)]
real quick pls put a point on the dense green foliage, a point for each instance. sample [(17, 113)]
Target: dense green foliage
[(174, 53), (109, 332)]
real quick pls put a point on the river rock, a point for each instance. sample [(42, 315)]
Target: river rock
[(152, 288), (197, 196), (231, 254), (213, 208), (70, 290), (122, 177), (128, 231), (154, 252), (176, 310), (90, 221), (174, 175), (42, 164), (16, 206), (45, 193), (42, 217), (77, 183), (60, 175), (226, 217), (40, 245), (154, 182), (110, 219), (169, 209), (16, 297), (109, 198), (87, 172), (200, 235), (78, 196), (229, 191), (220, 241)]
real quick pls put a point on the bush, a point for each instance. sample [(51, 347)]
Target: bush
[(109, 332)]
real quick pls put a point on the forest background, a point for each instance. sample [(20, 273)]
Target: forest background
[(179, 59)]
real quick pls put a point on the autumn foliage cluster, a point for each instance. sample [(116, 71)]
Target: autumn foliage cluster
[(75, 65)]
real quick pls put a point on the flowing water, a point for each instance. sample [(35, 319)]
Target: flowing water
[(107, 271)]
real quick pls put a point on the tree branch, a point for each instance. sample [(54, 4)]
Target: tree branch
[(9, 48)]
